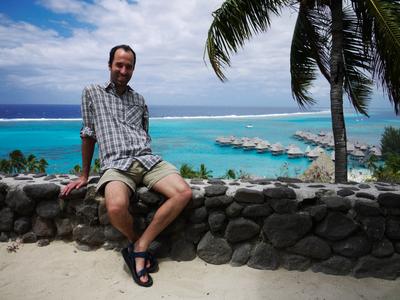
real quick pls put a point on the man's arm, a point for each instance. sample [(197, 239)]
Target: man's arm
[(87, 155)]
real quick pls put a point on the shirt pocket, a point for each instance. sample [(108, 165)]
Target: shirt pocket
[(134, 115)]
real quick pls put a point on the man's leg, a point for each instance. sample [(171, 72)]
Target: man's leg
[(178, 194), (117, 196)]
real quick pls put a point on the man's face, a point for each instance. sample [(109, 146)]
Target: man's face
[(121, 69)]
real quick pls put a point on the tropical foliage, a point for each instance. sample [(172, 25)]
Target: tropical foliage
[(95, 170), (17, 162), (187, 171), (389, 171), (352, 46), (390, 142)]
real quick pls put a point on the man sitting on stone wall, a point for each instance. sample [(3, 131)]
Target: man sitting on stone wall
[(116, 117)]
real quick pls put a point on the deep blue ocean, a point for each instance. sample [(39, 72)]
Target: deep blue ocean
[(186, 134)]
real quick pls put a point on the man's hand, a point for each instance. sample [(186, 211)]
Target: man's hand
[(76, 184)]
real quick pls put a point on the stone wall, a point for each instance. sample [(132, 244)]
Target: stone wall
[(351, 229)]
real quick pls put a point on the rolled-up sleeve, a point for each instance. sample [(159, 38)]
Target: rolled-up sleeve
[(87, 129)]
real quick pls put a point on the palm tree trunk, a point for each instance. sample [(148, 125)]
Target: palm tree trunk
[(336, 95)]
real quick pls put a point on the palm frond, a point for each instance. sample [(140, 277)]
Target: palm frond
[(308, 51), (357, 84), (380, 22), (235, 22)]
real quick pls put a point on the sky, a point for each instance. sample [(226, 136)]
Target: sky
[(51, 49)]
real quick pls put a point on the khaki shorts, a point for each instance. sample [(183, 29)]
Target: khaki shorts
[(135, 175)]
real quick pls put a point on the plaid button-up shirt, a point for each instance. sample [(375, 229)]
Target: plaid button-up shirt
[(120, 124)]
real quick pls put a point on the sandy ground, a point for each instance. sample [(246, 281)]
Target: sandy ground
[(59, 271)]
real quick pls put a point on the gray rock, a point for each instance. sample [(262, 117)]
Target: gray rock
[(43, 227), (345, 192), (385, 268), (83, 247), (214, 250), (365, 195), (197, 181), (22, 178), (39, 175), (233, 210), (216, 181), (393, 228), (88, 212), (390, 200), (367, 208), (337, 203), (29, 237), (336, 265), (160, 247), (364, 186), (391, 211), (182, 250), (197, 198), (216, 220), (22, 225), (264, 257), (285, 230), (336, 226), (316, 186), (257, 210), (382, 248), (244, 195), (374, 227), (241, 255), (112, 234), (49, 177), (3, 188), (312, 246), (48, 209), (64, 227), (317, 212), (295, 262), (19, 202), (283, 206), (260, 181), (6, 219), (149, 197), (354, 246), (279, 193), (43, 242), (384, 189), (42, 191), (92, 236), (397, 247), (102, 213), (198, 215), (289, 179), (3, 237), (218, 201), (234, 183), (194, 232), (215, 190), (241, 229)]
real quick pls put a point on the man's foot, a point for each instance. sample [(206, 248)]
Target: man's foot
[(139, 272), (151, 260), (140, 257)]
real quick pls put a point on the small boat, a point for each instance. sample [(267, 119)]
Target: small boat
[(249, 126)]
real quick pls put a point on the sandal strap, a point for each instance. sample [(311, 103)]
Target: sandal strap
[(139, 254), (142, 272)]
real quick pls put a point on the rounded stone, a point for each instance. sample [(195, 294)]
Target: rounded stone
[(42, 191), (214, 250), (264, 257), (241, 229), (22, 225), (6, 219), (48, 209), (336, 226)]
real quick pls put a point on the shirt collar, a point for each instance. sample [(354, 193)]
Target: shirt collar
[(110, 85)]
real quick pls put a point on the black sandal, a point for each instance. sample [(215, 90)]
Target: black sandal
[(151, 260), (130, 261)]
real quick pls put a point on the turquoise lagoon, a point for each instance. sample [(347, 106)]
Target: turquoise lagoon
[(192, 139)]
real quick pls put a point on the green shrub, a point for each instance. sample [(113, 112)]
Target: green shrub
[(390, 142)]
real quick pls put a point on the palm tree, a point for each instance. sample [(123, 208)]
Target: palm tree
[(76, 170), (352, 46), (230, 174), (203, 173), (17, 161), (187, 171), (42, 165)]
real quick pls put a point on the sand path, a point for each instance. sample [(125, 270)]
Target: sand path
[(59, 271)]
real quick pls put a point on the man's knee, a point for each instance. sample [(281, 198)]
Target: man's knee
[(116, 205), (185, 193)]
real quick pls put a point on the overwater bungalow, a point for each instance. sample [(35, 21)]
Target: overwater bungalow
[(277, 149), (315, 153), (263, 147), (294, 152)]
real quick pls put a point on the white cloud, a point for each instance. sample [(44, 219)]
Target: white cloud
[(168, 37)]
